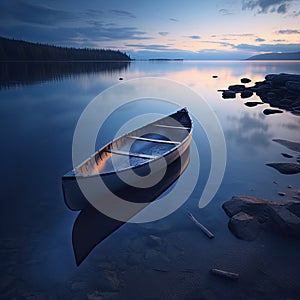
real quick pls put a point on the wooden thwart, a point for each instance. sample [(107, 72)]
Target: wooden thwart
[(153, 140), (172, 127), (146, 156), (202, 227)]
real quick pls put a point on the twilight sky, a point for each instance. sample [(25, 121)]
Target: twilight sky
[(190, 29)]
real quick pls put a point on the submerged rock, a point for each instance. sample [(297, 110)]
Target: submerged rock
[(286, 168), (250, 214)]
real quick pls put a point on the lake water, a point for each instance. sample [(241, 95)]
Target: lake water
[(40, 107)]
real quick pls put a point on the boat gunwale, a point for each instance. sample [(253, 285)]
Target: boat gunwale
[(81, 176)]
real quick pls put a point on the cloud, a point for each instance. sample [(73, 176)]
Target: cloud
[(194, 37), (174, 20), (295, 13), (266, 6), (36, 14), (163, 33), (225, 12), (236, 34), (288, 31), (153, 47), (259, 40), (122, 13)]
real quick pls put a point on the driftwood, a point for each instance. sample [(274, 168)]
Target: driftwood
[(230, 275), (202, 227)]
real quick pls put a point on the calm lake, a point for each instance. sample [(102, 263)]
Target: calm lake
[(166, 259)]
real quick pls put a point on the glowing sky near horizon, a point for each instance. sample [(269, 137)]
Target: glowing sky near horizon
[(192, 29)]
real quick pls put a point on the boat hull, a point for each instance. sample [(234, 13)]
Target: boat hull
[(75, 199)]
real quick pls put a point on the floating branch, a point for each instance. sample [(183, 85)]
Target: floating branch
[(230, 275), (202, 227)]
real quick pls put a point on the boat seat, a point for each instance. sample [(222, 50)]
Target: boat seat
[(140, 155), (172, 127), (152, 140)]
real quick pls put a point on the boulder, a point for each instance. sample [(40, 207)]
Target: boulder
[(269, 111), (282, 78), (293, 85), (244, 226), (285, 168), (245, 80), (250, 214), (287, 155), (252, 104), (236, 87), (228, 94), (246, 93)]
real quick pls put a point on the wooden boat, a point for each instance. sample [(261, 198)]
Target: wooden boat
[(165, 139)]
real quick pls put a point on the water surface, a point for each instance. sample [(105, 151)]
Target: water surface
[(38, 118)]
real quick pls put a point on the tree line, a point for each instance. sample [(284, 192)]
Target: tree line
[(11, 49)]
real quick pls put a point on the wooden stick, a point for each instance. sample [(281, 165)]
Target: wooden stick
[(230, 275), (202, 227)]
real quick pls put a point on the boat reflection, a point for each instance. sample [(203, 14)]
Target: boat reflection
[(91, 226)]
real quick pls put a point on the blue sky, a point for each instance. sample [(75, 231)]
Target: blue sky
[(191, 29)]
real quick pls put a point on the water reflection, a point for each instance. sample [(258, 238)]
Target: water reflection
[(249, 131), (91, 226), (14, 74)]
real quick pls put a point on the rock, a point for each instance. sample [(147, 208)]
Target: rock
[(215, 76), (228, 94), (295, 146), (295, 194), (245, 80), (281, 194), (287, 155), (236, 87), (286, 168), (244, 226), (293, 85), (285, 220), (246, 94), (269, 111), (289, 186), (272, 96), (282, 78), (283, 216), (121, 78), (250, 205), (252, 104)]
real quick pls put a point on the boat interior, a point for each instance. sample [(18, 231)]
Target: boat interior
[(139, 146)]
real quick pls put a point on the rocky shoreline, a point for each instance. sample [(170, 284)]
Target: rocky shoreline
[(250, 215), (281, 91)]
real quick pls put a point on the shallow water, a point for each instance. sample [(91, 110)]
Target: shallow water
[(38, 119)]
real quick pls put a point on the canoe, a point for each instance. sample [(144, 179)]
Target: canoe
[(164, 139)]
